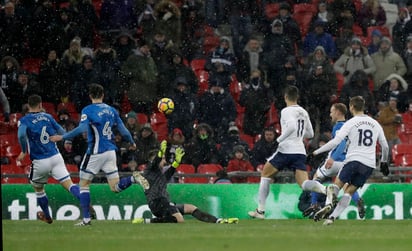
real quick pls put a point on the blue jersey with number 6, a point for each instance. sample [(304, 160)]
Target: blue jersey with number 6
[(34, 132)]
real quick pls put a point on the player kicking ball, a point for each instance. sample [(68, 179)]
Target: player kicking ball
[(363, 134), (154, 182)]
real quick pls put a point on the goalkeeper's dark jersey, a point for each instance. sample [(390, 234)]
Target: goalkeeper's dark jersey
[(157, 180)]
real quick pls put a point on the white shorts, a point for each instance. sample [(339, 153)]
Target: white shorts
[(93, 164), (322, 173), (53, 166)]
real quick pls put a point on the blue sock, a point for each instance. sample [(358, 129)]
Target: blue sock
[(313, 198), (75, 190), (124, 183), (43, 202), (355, 197), (85, 202)]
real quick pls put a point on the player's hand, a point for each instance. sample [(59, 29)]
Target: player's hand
[(329, 163), (163, 147), (56, 138), (384, 168), (21, 156), (178, 157)]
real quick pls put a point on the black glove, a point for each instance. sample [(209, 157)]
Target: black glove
[(346, 73), (385, 168)]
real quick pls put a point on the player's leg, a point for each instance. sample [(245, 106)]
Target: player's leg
[(59, 172), (108, 165), (38, 177), (342, 204), (269, 171), (43, 202)]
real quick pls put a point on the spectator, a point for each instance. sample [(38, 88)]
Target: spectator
[(117, 15), (193, 26), (343, 39), (186, 106), (399, 30), (141, 76), (241, 23), (320, 88), (256, 99), (64, 30), (387, 62), (63, 116), (407, 58), (133, 125), (354, 58), (217, 108), (239, 161), (277, 48), (68, 154), (214, 13), (358, 86), (290, 27), (124, 45), (5, 106), (221, 63), (13, 32), (72, 59), (168, 19), (231, 140), (394, 86), (250, 60), (85, 76), (53, 78), (390, 119), (85, 14), (344, 12), (222, 177), (146, 142), (26, 86), (375, 42), (201, 148), (177, 68), (318, 37), (146, 18), (327, 17), (264, 147), (9, 70), (108, 68), (371, 14)]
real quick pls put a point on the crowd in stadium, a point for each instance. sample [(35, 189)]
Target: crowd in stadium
[(223, 63)]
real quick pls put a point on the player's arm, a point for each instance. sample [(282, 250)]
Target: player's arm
[(309, 133), (339, 150), (22, 136), (60, 130), (342, 133), (384, 146)]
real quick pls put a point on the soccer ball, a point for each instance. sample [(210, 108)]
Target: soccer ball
[(166, 105)]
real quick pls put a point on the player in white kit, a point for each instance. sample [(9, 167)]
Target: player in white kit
[(363, 134), (291, 153)]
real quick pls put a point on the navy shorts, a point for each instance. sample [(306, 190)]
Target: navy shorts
[(286, 160), (355, 173)]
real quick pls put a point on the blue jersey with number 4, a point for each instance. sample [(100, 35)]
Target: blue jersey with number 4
[(99, 120), (34, 132)]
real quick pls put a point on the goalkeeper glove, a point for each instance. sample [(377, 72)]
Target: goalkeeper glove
[(178, 157), (385, 168), (162, 150)]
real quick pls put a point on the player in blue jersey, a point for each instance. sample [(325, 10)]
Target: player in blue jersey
[(363, 133), (34, 131), (99, 120), (333, 162), (291, 152)]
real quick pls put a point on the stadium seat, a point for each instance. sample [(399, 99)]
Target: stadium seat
[(203, 81), (12, 151), (8, 140), (198, 64), (399, 151), (235, 88), (272, 116), (32, 65), (210, 43), (383, 29), (209, 169), (357, 30), (304, 8), (188, 169), (97, 4), (255, 179), (158, 122), (13, 174), (141, 118), (14, 118), (68, 106), (250, 140), (240, 117)]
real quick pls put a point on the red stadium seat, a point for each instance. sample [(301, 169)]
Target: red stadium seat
[(255, 179), (13, 174), (357, 30), (203, 79), (142, 118), (15, 117), (12, 151), (271, 10), (272, 116), (250, 140), (210, 43), (8, 140), (383, 29), (209, 169), (188, 169), (235, 88), (158, 122), (399, 151), (32, 65)]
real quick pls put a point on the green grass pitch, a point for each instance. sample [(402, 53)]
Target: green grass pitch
[(248, 235)]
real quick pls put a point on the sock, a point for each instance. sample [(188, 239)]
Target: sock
[(43, 202), (75, 190), (205, 217), (331, 189), (85, 203), (124, 183), (263, 193), (314, 186), (313, 198), (343, 203), (355, 197)]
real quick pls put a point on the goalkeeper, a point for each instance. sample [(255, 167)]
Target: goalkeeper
[(154, 182)]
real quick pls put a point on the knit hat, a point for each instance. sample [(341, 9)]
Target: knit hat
[(356, 40), (376, 33), (386, 40), (131, 114), (277, 22), (285, 6), (177, 131), (409, 39), (233, 128)]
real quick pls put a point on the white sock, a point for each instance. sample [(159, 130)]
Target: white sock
[(263, 192), (314, 186), (343, 203), (330, 190)]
